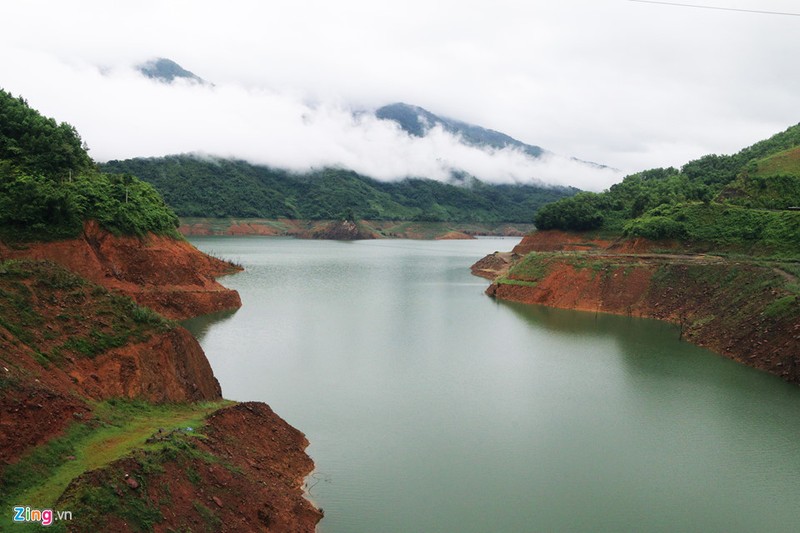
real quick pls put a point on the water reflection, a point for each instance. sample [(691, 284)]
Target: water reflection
[(201, 325)]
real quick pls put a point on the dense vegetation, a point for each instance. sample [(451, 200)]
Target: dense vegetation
[(49, 185), (197, 187), (738, 200)]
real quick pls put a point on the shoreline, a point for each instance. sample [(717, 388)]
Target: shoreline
[(742, 310), (380, 229)]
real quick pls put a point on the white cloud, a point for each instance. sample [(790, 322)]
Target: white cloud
[(624, 84)]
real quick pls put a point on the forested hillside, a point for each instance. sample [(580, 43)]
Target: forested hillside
[(197, 187), (49, 185), (742, 200)]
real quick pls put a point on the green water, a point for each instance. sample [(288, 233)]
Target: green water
[(431, 407)]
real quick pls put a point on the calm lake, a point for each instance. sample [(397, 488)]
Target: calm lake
[(431, 407)]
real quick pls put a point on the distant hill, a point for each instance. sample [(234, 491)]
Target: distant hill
[(221, 188), (167, 71)]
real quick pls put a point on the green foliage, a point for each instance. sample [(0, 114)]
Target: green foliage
[(655, 228), (223, 188), (37, 208), (33, 144), (211, 521), (728, 226), (533, 267), (666, 203), (102, 493), (97, 503), (49, 185), (717, 171), (578, 213), (29, 471)]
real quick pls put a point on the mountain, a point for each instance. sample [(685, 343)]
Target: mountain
[(167, 71), (418, 121), (223, 188)]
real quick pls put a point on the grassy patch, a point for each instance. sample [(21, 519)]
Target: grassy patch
[(781, 307), (104, 493), (119, 427), (521, 283), (533, 267)]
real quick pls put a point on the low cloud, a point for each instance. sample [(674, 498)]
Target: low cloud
[(625, 84), (121, 114)]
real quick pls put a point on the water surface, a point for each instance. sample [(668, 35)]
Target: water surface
[(431, 407)]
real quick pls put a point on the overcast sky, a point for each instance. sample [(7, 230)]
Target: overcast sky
[(627, 84)]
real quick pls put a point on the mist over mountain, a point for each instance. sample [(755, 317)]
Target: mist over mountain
[(418, 121), (167, 71), (285, 130)]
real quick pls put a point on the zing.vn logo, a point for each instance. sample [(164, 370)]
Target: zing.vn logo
[(45, 516)]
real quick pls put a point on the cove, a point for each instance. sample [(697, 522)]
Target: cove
[(431, 407)]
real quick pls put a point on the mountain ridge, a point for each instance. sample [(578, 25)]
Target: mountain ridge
[(222, 188)]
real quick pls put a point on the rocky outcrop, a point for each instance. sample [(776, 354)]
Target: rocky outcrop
[(339, 230), (494, 265), (454, 235)]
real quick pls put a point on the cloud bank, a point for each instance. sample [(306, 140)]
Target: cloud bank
[(122, 114), (624, 84)]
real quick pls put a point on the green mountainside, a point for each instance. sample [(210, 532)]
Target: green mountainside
[(197, 187), (49, 185), (740, 202)]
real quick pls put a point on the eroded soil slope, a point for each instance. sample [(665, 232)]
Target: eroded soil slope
[(65, 341), (244, 474), (167, 275)]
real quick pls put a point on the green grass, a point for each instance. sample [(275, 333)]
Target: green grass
[(786, 162), (533, 267), (782, 307), (118, 428)]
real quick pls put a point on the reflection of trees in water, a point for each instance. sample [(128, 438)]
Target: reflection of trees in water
[(646, 347), (200, 325)]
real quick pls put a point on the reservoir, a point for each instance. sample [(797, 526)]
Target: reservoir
[(431, 407)]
